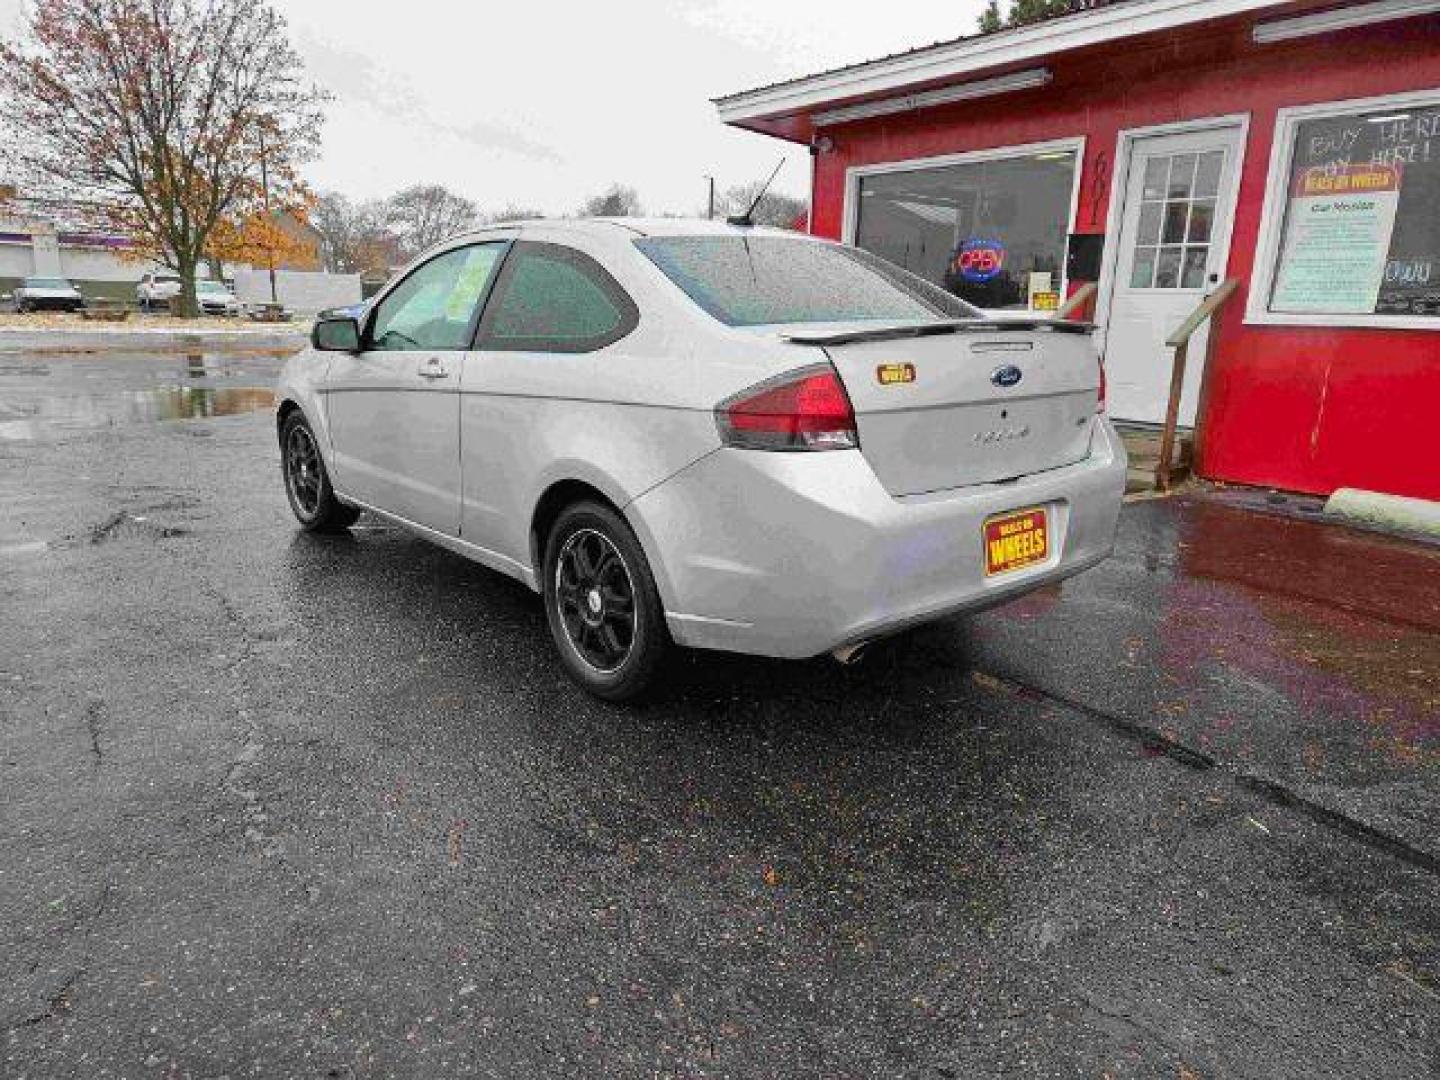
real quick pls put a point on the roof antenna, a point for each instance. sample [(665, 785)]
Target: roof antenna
[(747, 219)]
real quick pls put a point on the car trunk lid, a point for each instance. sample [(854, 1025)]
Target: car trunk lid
[(945, 405)]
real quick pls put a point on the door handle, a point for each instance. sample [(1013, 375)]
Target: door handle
[(434, 368)]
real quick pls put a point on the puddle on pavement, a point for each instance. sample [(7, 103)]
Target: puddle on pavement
[(57, 414), (185, 392), (1341, 625)]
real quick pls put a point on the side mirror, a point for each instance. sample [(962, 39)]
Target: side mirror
[(336, 335)]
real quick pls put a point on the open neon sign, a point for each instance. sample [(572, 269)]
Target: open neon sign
[(980, 259)]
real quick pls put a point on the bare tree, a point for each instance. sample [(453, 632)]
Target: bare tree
[(354, 237), (616, 201), (514, 213), (170, 114), (423, 215), (775, 209)]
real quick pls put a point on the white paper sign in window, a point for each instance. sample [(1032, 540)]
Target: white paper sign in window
[(1361, 236)]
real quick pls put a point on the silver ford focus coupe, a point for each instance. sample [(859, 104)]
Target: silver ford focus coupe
[(708, 435)]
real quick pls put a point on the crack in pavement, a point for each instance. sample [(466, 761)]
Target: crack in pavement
[(60, 1003), (94, 722), (252, 809), (122, 522), (1272, 791)]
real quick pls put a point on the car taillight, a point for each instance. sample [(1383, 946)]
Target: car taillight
[(1100, 396), (806, 409)]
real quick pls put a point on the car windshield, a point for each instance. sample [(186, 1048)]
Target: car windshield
[(209, 286), (760, 280), (47, 283)]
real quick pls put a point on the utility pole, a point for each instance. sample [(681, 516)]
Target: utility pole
[(269, 224), (710, 212)]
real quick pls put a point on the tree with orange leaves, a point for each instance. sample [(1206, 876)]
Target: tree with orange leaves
[(263, 240), (175, 116)]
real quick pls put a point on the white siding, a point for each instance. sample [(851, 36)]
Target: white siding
[(302, 291)]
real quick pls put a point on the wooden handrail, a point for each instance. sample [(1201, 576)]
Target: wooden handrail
[(1077, 302), (1180, 342), (1206, 308)]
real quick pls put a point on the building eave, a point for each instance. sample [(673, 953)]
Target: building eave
[(967, 57)]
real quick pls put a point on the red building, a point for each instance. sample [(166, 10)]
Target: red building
[(1164, 146)]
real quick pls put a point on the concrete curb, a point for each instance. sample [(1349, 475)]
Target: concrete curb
[(1390, 512), (67, 340)]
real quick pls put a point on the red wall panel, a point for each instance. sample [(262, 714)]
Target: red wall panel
[(1306, 409)]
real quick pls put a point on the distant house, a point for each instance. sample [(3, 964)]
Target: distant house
[(303, 240)]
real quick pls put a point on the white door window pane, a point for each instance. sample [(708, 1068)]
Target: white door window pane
[(1157, 169), (1207, 174), (1176, 214), (1167, 268), (1142, 272), (1182, 175), (1202, 217), (1148, 230), (1193, 275)]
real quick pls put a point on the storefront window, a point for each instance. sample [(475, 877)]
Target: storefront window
[(990, 231), (1354, 214)]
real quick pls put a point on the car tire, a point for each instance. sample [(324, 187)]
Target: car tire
[(602, 605), (307, 483)]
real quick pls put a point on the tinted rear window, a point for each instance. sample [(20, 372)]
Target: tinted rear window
[(552, 298), (757, 280), (47, 283)]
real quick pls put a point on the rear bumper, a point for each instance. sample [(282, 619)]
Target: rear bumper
[(792, 555)]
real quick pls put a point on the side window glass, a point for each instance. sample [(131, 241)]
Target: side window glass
[(434, 308), (555, 299)]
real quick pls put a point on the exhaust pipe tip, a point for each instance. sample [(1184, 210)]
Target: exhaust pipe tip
[(847, 655)]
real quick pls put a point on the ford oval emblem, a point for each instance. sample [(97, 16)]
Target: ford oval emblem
[(1008, 375)]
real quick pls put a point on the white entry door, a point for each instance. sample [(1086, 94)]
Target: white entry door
[(1179, 203)]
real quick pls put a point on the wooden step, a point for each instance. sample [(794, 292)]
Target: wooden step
[(1142, 444)]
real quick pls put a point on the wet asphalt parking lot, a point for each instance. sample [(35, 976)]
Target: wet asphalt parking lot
[(278, 805)]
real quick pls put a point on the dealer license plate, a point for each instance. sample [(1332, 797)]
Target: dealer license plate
[(1016, 540)]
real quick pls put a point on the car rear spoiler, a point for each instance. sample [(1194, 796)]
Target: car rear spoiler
[(949, 326)]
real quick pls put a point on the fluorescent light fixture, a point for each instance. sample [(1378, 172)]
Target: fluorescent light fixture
[(1342, 18), (1001, 84)]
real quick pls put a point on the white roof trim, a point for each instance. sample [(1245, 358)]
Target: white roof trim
[(1325, 22), (971, 55)]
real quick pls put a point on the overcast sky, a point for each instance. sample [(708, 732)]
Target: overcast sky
[(542, 103)]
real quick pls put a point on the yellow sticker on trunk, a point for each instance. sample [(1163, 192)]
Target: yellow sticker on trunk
[(890, 374)]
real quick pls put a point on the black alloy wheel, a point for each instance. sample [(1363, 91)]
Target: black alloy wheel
[(602, 604), (596, 598), (307, 484)]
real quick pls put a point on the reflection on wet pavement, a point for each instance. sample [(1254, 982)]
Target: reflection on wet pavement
[(56, 395), (1344, 625), (1297, 651)]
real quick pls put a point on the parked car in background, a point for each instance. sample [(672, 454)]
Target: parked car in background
[(711, 435), (216, 298), (47, 294), (156, 291)]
